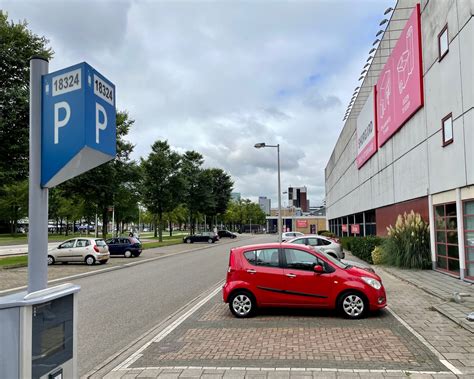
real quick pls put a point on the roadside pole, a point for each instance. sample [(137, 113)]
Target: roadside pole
[(38, 196)]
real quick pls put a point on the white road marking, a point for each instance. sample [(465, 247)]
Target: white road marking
[(127, 362), (422, 339)]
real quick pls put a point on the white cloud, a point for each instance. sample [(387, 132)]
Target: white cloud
[(217, 77)]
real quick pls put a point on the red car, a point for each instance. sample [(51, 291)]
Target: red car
[(290, 275)]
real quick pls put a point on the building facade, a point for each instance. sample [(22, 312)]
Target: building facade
[(265, 204), (297, 197), (408, 140)]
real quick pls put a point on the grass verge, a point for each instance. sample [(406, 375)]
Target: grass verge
[(166, 242), (14, 262)]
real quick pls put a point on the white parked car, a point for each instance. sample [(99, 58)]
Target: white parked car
[(87, 250), (324, 244), (289, 235)]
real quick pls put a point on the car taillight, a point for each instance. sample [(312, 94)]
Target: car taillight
[(96, 248)]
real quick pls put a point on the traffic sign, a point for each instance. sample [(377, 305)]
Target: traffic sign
[(78, 123)]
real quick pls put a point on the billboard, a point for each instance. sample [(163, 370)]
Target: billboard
[(400, 84), (366, 131), (355, 228)]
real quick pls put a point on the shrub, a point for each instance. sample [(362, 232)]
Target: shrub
[(362, 247), (408, 243), (326, 233), (346, 243), (377, 255)]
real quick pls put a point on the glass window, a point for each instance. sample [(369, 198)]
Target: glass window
[(323, 242), (447, 250), (300, 241), (468, 208), (447, 130), (100, 243), (443, 43), (82, 243), (250, 256), (267, 257), (67, 244), (300, 260), (312, 241)]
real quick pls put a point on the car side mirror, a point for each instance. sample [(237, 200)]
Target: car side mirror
[(318, 269)]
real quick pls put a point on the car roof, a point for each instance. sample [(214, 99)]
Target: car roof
[(272, 245)]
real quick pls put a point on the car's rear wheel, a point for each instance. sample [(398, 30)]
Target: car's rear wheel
[(353, 305), (90, 260), (242, 304), (188, 240), (50, 260), (210, 240), (127, 254)]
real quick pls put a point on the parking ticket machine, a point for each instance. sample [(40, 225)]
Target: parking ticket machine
[(38, 333)]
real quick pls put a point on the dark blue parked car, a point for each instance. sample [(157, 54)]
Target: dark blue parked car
[(126, 246)]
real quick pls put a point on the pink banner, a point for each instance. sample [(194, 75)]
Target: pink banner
[(400, 84), (355, 229), (301, 223), (344, 227)]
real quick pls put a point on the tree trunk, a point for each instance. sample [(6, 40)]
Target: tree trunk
[(160, 226), (104, 223), (171, 229), (155, 231), (67, 223)]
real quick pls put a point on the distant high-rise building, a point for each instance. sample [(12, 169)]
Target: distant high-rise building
[(265, 204), (235, 196), (298, 198)]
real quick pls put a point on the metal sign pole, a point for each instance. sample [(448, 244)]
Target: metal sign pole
[(38, 196)]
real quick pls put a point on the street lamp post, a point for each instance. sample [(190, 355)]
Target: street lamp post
[(259, 146)]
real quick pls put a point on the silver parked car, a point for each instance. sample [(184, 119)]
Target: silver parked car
[(87, 250), (323, 244), (285, 237)]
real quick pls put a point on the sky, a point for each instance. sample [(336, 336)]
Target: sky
[(219, 76)]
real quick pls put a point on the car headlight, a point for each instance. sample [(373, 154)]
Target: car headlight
[(372, 282)]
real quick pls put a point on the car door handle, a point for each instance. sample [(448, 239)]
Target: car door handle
[(250, 271), (291, 275)]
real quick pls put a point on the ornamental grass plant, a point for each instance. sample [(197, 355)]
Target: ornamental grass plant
[(408, 243)]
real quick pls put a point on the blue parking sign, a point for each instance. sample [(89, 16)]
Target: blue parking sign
[(78, 123)]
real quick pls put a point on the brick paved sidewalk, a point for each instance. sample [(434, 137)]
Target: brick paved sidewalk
[(410, 339)]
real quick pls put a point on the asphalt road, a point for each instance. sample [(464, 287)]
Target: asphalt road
[(117, 307)]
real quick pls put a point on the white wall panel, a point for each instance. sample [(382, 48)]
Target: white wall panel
[(411, 174), (443, 89), (447, 165), (469, 145), (467, 59), (411, 134)]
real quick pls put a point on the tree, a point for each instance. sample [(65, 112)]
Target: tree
[(101, 185), (14, 203), (162, 182), (17, 46), (220, 189)]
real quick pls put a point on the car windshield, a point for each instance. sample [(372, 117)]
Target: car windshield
[(100, 243), (336, 262)]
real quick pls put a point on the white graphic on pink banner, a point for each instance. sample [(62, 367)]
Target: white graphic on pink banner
[(402, 71), (366, 131)]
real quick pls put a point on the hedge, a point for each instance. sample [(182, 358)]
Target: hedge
[(362, 247)]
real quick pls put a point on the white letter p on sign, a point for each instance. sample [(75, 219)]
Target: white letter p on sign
[(60, 123), (99, 125)]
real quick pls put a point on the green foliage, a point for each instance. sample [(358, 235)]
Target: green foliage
[(14, 203), (242, 212), (326, 233), (362, 247), (346, 243), (17, 46), (377, 255), (162, 182), (408, 243)]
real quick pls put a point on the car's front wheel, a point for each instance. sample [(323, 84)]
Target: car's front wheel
[(90, 260), (242, 304), (50, 260), (188, 240), (353, 305), (210, 240)]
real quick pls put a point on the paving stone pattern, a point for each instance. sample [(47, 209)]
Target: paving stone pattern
[(289, 338)]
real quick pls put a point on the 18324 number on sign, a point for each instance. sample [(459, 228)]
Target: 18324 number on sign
[(67, 82), (103, 90)]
